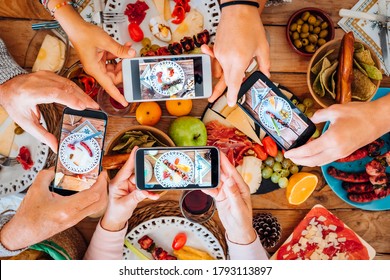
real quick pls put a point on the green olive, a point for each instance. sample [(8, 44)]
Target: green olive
[(18, 130), (300, 21), (323, 33), (317, 30), (305, 42), (305, 28), (299, 27), (317, 23), (310, 48), (146, 42), (311, 28), (312, 19), (305, 16), (298, 43), (324, 25), (321, 41), (154, 47), (295, 35), (293, 27), (304, 35), (313, 38)]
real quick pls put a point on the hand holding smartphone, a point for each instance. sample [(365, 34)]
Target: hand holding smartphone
[(167, 77), (177, 168), (80, 150), (274, 112)]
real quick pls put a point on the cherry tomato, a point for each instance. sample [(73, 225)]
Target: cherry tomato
[(260, 152), (135, 32), (270, 146), (179, 241), (178, 14)]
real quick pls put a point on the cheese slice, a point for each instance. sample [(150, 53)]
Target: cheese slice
[(7, 138), (239, 119), (160, 6), (3, 115), (210, 115), (251, 172), (222, 107), (51, 56), (167, 9)]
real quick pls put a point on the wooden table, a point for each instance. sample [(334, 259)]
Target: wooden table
[(287, 68)]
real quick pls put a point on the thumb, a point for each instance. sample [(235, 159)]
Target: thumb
[(134, 198), (320, 116), (106, 82), (207, 50), (118, 50)]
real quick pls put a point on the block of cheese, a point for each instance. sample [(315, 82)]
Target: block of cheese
[(3, 115), (239, 119), (51, 56), (7, 135)]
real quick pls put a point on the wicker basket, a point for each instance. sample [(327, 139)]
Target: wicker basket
[(171, 208)]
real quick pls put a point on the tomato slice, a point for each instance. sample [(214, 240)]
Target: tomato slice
[(178, 14), (260, 152), (135, 32), (270, 146), (179, 241)]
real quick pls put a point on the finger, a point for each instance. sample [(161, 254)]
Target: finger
[(230, 170), (207, 50), (233, 81), (309, 149), (212, 192), (36, 130), (44, 178), (135, 197), (127, 169), (264, 64), (151, 195), (319, 159), (118, 50), (107, 83), (322, 115), (218, 90)]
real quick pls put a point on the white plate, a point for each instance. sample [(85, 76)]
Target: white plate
[(166, 72), (79, 160), (164, 229), (15, 179), (160, 168), (208, 8), (10, 202)]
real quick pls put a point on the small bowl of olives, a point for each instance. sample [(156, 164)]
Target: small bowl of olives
[(308, 29)]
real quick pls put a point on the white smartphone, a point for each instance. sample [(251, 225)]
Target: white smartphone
[(159, 78)]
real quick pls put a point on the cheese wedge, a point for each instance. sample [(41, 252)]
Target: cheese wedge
[(51, 56), (7, 138), (210, 115), (160, 7), (221, 106), (239, 119), (3, 115), (167, 9)]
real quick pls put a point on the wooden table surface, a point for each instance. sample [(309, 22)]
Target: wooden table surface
[(287, 68)]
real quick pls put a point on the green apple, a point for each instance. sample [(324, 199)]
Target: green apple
[(188, 131)]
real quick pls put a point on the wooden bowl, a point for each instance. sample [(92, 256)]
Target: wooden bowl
[(327, 100), (319, 14)]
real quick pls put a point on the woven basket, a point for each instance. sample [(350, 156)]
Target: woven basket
[(171, 208)]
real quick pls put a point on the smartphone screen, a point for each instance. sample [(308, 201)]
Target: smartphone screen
[(177, 168), (80, 150), (274, 112), (173, 77)]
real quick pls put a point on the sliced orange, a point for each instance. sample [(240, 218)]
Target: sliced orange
[(300, 186)]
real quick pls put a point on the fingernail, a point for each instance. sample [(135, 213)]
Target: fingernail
[(131, 52)]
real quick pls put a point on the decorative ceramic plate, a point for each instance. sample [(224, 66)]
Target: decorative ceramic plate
[(164, 229), (209, 9), (358, 166), (79, 156), (274, 112), (15, 179), (167, 78), (167, 177)]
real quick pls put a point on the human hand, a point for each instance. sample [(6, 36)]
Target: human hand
[(352, 126), (94, 47), (20, 96), (123, 197), (233, 204), (240, 37), (43, 214)]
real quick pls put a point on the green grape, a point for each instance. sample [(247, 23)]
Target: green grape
[(277, 166), (267, 172), (286, 163), (309, 113), (275, 177), (301, 107), (146, 42), (279, 156), (294, 169), (270, 161), (295, 102), (316, 134), (283, 182), (154, 47), (308, 102), (284, 173)]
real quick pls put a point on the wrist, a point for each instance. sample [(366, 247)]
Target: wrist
[(112, 222), (242, 236)]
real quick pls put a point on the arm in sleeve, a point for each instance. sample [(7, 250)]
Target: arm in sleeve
[(251, 251), (5, 218), (8, 67)]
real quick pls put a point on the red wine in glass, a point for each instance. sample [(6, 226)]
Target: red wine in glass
[(197, 202)]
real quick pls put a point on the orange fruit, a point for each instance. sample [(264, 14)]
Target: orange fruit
[(179, 107), (300, 186), (148, 113)]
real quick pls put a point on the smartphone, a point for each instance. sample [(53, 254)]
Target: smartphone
[(80, 150), (177, 168), (274, 112), (161, 78)]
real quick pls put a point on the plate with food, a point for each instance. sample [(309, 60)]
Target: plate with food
[(29, 152), (167, 78), (362, 178), (78, 155), (171, 238), (256, 156), (163, 27), (174, 169), (323, 236), (275, 113)]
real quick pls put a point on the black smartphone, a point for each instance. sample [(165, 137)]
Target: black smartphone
[(274, 112), (177, 168), (80, 150)]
